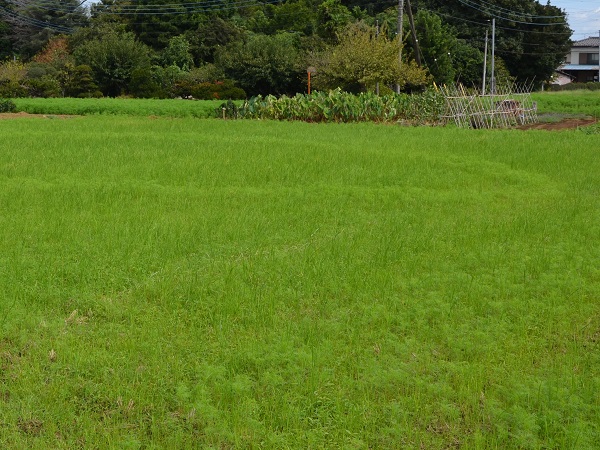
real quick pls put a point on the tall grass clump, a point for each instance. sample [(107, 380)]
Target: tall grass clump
[(339, 106)]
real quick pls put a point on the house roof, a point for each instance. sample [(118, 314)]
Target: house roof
[(577, 67), (564, 74), (589, 42)]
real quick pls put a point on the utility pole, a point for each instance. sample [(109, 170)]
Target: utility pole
[(377, 37), (485, 62), (413, 32), (399, 30), (493, 87)]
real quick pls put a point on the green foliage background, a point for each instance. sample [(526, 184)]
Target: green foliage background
[(266, 48)]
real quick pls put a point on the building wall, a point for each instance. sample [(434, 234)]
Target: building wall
[(585, 76), (579, 55)]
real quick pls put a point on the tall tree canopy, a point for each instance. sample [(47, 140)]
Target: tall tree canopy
[(532, 39), (361, 59), (31, 24), (266, 46)]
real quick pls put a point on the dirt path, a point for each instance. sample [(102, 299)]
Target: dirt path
[(565, 124), (19, 115)]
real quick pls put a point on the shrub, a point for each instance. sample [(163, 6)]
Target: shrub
[(591, 129), (41, 80), (340, 106), (12, 79), (143, 85), (7, 106), (44, 86), (591, 86), (78, 81)]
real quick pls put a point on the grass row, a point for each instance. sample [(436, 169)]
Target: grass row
[(118, 106), (179, 283)]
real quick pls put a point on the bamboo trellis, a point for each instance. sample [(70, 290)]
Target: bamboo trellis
[(508, 106)]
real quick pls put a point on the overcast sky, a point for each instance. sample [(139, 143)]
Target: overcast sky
[(583, 16)]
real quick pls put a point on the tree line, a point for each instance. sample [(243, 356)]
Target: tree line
[(239, 48)]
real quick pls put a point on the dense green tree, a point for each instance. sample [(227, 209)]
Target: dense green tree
[(544, 48), (264, 64), (13, 79), (52, 73), (154, 22), (528, 38), (178, 54), (211, 34), (6, 49), (165, 80), (32, 23), (291, 16), (372, 7), (143, 84), (267, 47), (332, 18), (361, 59), (436, 41), (467, 62), (114, 57)]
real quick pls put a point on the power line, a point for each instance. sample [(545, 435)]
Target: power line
[(26, 20), (486, 24), (507, 11), (505, 16), (211, 6), (200, 7)]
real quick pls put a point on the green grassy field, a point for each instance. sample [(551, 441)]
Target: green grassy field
[(586, 103), (180, 283)]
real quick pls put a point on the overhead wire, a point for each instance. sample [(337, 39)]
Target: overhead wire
[(211, 6), (505, 11), (500, 16), (486, 24), (170, 8), (23, 19), (157, 9)]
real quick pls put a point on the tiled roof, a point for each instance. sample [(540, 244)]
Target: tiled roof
[(589, 42)]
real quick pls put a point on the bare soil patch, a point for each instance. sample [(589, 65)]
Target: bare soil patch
[(20, 115), (565, 124)]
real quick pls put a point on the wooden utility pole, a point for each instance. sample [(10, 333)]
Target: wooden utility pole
[(399, 30), (493, 83), (377, 37), (413, 32), (485, 62)]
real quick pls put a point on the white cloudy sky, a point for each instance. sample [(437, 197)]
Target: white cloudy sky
[(583, 16)]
